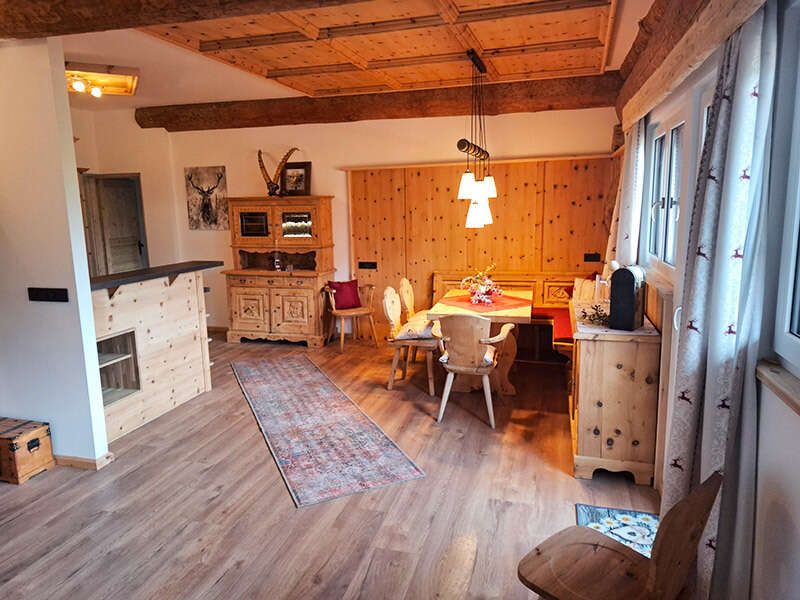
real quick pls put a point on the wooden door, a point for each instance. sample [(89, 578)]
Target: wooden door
[(292, 311), (122, 223), (249, 309)]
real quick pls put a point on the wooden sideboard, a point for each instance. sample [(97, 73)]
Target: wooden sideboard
[(613, 406), (287, 304)]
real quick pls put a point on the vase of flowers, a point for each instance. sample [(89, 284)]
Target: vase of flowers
[(482, 290)]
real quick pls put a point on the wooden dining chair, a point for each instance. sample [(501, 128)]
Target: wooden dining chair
[(580, 563), (405, 337), (365, 293), (406, 291), (469, 350)]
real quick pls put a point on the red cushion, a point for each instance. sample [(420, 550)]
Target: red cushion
[(346, 295), (562, 328)]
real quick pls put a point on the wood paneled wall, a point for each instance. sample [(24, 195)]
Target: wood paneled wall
[(549, 213)]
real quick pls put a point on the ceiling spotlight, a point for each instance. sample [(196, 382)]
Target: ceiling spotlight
[(96, 91), (78, 85)]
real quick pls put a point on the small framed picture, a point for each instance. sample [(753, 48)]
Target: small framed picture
[(296, 179)]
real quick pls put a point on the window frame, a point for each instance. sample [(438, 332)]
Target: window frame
[(685, 105), (786, 343)]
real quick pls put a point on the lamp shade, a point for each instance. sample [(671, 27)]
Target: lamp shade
[(484, 211), (465, 188), (491, 186), (474, 216)]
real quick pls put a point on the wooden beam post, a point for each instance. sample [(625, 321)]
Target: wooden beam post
[(526, 96), (43, 18)]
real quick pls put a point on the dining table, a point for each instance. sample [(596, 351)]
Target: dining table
[(513, 306)]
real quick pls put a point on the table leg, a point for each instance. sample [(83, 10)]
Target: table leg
[(499, 377)]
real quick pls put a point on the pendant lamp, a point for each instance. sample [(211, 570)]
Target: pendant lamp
[(465, 188)]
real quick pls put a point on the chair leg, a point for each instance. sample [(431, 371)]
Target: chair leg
[(414, 355), (429, 361), (341, 335), (355, 328), (487, 391), (448, 384), (395, 360), (331, 329), (406, 358), (372, 327)]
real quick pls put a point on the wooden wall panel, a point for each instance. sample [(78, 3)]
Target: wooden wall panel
[(377, 227), (511, 241), (548, 214), (435, 234), (574, 219)]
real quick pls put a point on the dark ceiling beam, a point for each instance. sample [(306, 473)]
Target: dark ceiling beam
[(42, 18), (674, 39), (412, 61), (500, 98), (463, 18)]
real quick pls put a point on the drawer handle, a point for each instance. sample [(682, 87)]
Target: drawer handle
[(596, 431), (599, 404), (635, 442), (617, 432), (609, 442)]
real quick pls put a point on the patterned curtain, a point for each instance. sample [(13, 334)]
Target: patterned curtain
[(623, 238), (712, 423)]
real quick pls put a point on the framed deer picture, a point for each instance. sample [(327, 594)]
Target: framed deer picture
[(207, 197)]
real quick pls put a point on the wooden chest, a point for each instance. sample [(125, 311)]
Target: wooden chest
[(25, 449)]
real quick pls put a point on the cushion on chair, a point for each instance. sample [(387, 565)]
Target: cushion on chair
[(417, 328), (488, 358), (346, 294)]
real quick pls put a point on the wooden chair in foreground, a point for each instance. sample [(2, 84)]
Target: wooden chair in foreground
[(580, 563), (468, 350), (365, 292), (404, 338)]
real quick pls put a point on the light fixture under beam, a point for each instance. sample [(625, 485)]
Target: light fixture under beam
[(108, 79)]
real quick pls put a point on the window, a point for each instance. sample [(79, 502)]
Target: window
[(785, 184), (665, 194)]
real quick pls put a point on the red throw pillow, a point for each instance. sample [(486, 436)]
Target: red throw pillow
[(346, 295)]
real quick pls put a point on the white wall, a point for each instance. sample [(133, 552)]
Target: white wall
[(48, 358), (776, 569), (161, 157)]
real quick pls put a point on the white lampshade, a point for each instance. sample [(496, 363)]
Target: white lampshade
[(484, 212), (465, 188), (474, 216), (491, 186)]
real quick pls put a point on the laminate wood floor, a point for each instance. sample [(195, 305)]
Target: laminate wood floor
[(194, 506)]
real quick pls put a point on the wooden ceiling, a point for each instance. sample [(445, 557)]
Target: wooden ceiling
[(391, 45)]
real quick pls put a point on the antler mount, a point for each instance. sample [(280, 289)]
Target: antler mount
[(273, 183)]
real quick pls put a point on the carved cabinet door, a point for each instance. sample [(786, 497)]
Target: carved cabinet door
[(249, 309), (292, 311)]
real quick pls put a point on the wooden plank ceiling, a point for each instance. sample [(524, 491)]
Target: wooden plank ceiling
[(390, 45)]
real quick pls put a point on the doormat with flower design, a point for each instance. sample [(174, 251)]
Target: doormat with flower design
[(634, 529)]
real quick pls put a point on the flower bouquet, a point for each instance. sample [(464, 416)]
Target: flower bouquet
[(482, 289)]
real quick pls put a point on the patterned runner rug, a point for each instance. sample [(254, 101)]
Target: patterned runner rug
[(324, 445), (633, 528)]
